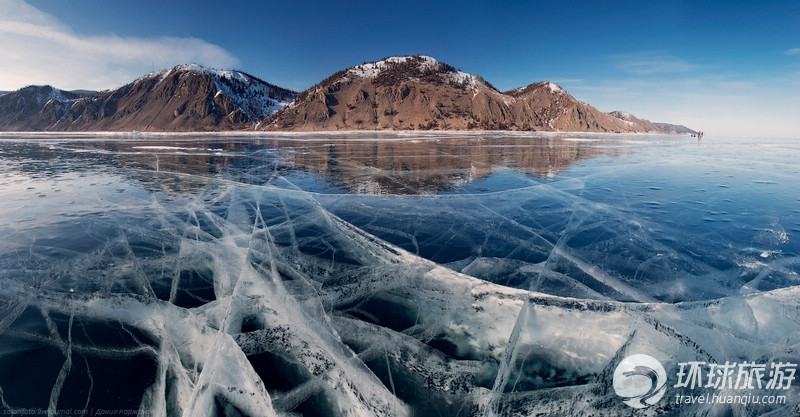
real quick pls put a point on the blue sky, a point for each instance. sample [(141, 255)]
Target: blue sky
[(727, 67)]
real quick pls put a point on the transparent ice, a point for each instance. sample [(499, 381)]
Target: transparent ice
[(466, 275)]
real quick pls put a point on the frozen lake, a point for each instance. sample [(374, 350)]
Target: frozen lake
[(433, 274)]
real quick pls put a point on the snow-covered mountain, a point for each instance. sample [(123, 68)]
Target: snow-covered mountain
[(419, 92), (184, 98)]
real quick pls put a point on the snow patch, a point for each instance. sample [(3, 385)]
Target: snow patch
[(372, 69), (255, 98), (461, 77), (554, 88)]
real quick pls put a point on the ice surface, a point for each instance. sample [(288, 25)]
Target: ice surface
[(466, 276)]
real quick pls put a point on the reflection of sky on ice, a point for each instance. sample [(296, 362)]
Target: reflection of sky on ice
[(465, 276)]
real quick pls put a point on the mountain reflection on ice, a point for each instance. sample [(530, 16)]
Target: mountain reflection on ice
[(466, 276)]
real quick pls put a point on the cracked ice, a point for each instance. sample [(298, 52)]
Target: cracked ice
[(462, 276)]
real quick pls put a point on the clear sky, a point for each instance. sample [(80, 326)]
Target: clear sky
[(726, 67)]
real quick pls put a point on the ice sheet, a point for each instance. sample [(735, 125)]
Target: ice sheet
[(467, 276)]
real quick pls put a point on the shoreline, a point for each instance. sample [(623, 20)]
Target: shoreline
[(356, 134)]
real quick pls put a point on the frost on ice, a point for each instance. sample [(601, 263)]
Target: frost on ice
[(220, 284)]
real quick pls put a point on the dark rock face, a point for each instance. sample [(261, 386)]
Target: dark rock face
[(34, 107)]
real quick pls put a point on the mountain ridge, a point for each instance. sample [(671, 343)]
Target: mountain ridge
[(396, 93), (420, 93), (185, 98)]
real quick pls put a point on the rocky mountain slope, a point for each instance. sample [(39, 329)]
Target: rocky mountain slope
[(396, 93), (421, 93), (185, 98), (632, 120), (33, 107)]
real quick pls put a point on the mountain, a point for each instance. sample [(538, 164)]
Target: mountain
[(635, 121), (34, 107), (396, 93), (185, 98), (675, 129), (421, 93), (666, 128)]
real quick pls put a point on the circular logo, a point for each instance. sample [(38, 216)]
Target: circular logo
[(640, 380)]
